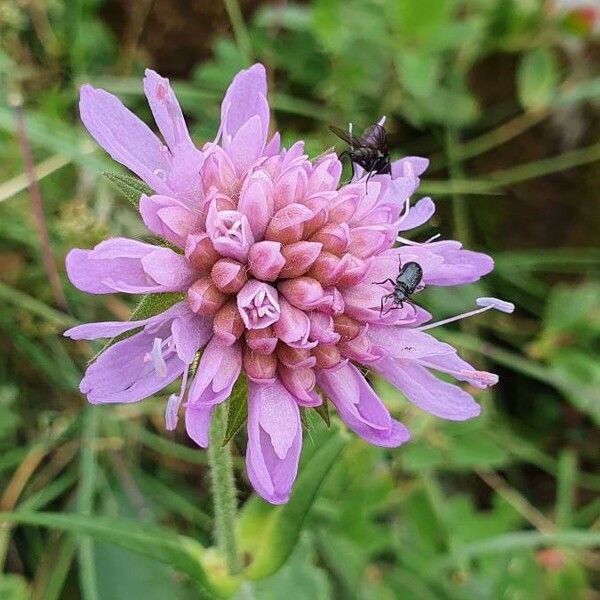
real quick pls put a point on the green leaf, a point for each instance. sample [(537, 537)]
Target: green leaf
[(180, 552), (300, 574), (537, 78), (277, 529), (237, 409), (152, 581), (419, 72), (13, 587), (566, 488), (511, 542), (131, 187)]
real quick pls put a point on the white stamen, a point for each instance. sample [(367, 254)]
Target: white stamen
[(406, 211), (171, 416), (487, 305), (174, 402), (413, 243), (501, 305), (157, 358)]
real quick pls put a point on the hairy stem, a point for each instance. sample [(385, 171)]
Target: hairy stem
[(223, 489)]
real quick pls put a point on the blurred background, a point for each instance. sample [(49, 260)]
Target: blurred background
[(504, 97)]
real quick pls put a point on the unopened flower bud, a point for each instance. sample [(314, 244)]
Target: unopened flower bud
[(304, 293), (265, 260), (229, 275), (287, 224), (204, 298), (346, 327), (335, 238), (200, 251), (326, 356), (260, 368), (263, 341), (295, 357), (300, 382), (298, 258), (360, 349), (227, 324)]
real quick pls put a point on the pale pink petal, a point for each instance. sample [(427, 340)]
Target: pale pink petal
[(108, 329), (245, 98), (274, 441), (418, 214), (437, 397), (166, 110), (123, 265), (256, 202), (410, 166), (125, 137), (169, 218), (360, 407), (246, 146)]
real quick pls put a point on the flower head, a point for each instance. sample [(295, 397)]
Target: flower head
[(277, 264)]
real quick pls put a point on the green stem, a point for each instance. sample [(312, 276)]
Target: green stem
[(240, 31), (223, 489), (88, 468), (461, 217)]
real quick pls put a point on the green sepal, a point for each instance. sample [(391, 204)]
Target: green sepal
[(237, 413), (323, 411), (131, 187)]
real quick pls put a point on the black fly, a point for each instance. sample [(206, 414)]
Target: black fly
[(369, 151), (407, 280)]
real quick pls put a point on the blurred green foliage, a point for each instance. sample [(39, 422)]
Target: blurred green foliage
[(111, 506)]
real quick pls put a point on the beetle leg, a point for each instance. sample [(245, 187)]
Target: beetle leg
[(383, 298), (384, 281)]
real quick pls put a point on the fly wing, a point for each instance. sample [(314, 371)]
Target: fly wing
[(375, 137), (352, 141)]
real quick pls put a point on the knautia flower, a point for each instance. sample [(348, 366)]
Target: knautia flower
[(277, 263)]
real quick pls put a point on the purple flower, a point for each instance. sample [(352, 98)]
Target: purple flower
[(277, 265)]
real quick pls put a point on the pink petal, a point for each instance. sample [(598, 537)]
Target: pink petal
[(166, 110), (245, 98), (418, 214), (108, 329), (168, 218), (410, 166), (420, 387), (218, 370), (256, 202), (446, 263), (197, 423), (122, 374), (125, 137), (274, 441), (246, 147), (120, 264), (360, 407)]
